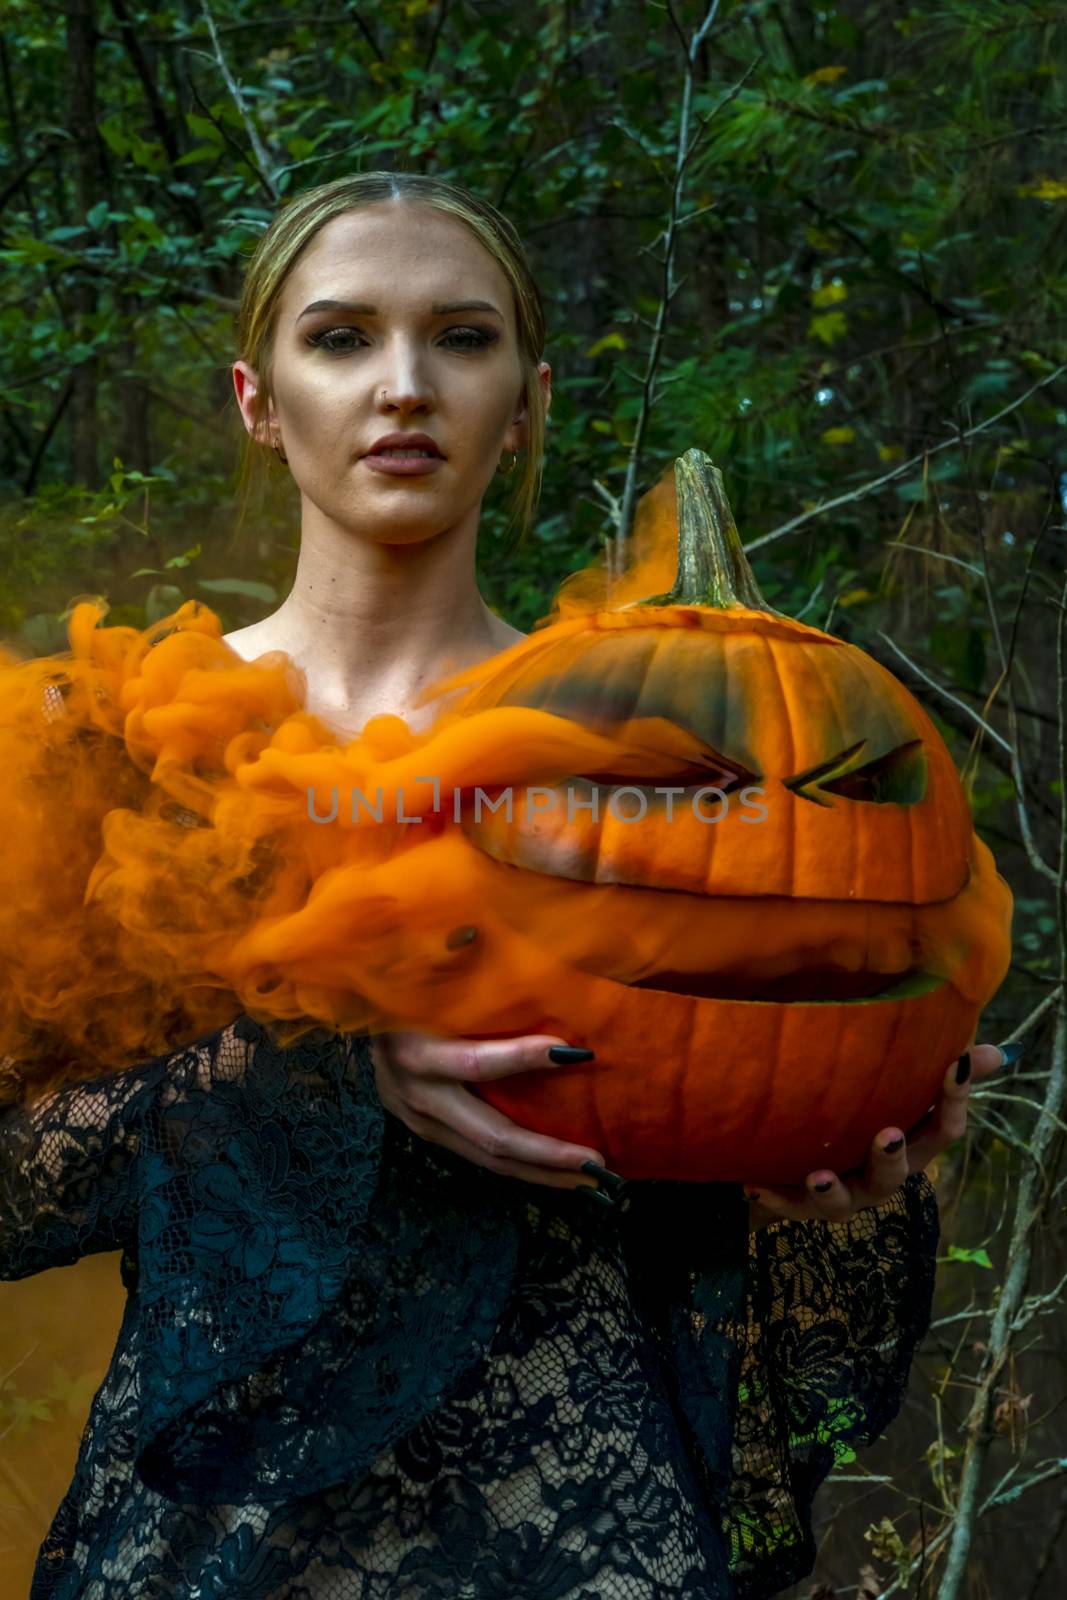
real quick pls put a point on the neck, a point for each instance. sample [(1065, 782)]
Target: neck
[(374, 624)]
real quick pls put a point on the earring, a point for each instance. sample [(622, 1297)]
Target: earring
[(505, 471), (278, 453)]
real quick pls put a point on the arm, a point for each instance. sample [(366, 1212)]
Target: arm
[(831, 1317), (79, 1164), (67, 1170)]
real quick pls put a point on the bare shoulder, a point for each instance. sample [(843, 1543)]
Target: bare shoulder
[(253, 641), (259, 637), (505, 635)]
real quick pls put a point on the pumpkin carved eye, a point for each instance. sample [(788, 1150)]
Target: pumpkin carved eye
[(713, 774), (896, 778)]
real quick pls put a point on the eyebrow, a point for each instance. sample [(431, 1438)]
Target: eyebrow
[(361, 309)]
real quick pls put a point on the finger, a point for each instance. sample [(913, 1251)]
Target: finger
[(791, 1205), (829, 1196), (502, 1146), (947, 1119), (987, 1059), (446, 1112), (474, 1060), (886, 1168), (807, 1203)]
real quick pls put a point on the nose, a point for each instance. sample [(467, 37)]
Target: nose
[(403, 382)]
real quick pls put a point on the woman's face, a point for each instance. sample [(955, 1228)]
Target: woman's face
[(380, 359)]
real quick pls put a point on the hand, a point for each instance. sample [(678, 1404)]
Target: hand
[(422, 1077), (885, 1171)]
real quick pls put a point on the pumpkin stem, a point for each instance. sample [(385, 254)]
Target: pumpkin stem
[(713, 569)]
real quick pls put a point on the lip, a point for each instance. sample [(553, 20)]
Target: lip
[(393, 467), (416, 441)]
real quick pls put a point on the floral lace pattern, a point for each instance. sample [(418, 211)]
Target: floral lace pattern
[(355, 1366)]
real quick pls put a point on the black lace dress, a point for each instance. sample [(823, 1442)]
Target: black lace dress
[(353, 1366)]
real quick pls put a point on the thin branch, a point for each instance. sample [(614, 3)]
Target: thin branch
[(15, 182), (1029, 1023), (897, 472), (1030, 1201), (962, 721), (939, 555), (211, 424), (1056, 1468), (929, 1549), (616, 550), (966, 709), (263, 164), (1005, 138), (62, 401), (1052, 1544), (839, 123), (1035, 1304)]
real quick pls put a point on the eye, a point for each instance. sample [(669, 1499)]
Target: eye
[(324, 339), (896, 778), (482, 337)]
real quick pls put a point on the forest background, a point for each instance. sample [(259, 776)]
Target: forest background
[(825, 243)]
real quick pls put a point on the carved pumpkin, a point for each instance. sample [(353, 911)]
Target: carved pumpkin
[(839, 924), (768, 974)]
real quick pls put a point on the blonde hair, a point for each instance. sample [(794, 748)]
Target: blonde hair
[(293, 228)]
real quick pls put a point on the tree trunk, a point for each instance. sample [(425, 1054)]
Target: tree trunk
[(136, 448), (81, 120)]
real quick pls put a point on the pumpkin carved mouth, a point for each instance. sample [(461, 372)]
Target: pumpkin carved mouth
[(808, 985)]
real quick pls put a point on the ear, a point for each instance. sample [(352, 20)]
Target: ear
[(246, 386), (519, 432)]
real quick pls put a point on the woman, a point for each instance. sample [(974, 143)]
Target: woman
[(359, 1359)]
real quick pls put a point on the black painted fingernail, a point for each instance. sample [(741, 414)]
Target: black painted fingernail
[(963, 1067), (751, 1194), (560, 1053), (594, 1194), (610, 1179), (460, 936), (893, 1146), (1011, 1052), (821, 1188)]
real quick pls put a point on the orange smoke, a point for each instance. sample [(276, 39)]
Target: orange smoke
[(167, 862)]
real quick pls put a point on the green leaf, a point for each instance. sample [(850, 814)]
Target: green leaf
[(184, 559), (240, 586), (161, 600), (203, 128), (200, 152), (111, 131), (829, 327), (975, 1258)]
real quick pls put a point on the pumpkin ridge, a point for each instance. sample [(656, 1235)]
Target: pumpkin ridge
[(636, 708), (737, 620), (830, 690), (787, 718), (875, 675)]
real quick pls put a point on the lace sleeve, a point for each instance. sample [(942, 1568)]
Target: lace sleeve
[(296, 1301), (84, 1168), (833, 1315), (66, 1170), (785, 1351), (313, 1279)]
